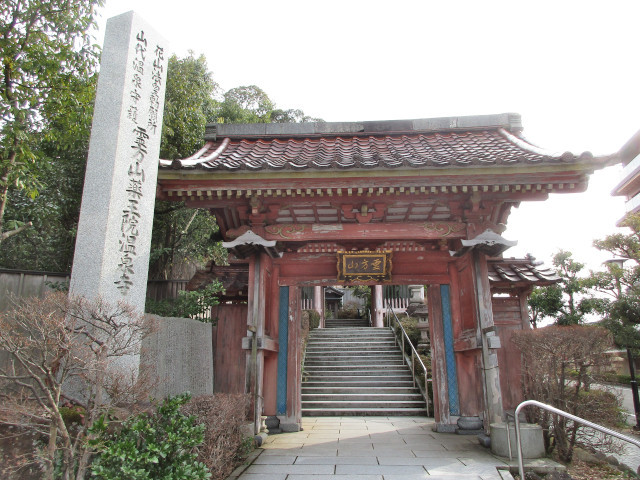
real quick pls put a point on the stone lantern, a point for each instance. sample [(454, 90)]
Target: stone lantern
[(418, 309)]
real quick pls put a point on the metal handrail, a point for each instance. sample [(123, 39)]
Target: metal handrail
[(414, 354), (557, 411)]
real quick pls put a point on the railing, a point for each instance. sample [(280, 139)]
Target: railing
[(404, 338), (557, 411)]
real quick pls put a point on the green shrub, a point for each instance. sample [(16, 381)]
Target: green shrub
[(410, 325), (188, 304), (623, 379), (314, 319), (349, 310), (160, 445), (72, 415)]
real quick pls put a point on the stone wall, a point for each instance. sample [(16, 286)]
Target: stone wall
[(179, 354)]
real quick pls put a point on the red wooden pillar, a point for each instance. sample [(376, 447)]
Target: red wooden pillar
[(271, 357), (257, 342), (292, 421), (490, 342), (468, 352), (378, 306), (438, 364), (318, 303)]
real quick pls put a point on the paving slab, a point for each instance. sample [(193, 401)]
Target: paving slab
[(380, 469), (335, 477), (424, 462), (337, 461), (276, 460), (263, 476), (371, 448), (426, 476), (292, 469)]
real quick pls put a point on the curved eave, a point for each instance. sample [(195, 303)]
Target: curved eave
[(199, 175)]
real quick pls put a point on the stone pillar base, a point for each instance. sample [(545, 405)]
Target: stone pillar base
[(289, 424)]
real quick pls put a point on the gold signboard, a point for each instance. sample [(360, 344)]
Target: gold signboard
[(364, 266)]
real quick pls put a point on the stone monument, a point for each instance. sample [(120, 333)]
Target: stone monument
[(114, 231)]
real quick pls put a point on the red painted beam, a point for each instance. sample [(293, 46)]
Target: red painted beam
[(305, 232)]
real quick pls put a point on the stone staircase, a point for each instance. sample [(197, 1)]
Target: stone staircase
[(352, 369)]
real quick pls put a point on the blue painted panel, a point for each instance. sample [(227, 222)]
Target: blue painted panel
[(283, 343), (447, 328)]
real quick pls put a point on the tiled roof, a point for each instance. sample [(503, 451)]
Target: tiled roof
[(512, 271), (419, 150)]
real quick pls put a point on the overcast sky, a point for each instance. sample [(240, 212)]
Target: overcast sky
[(570, 68)]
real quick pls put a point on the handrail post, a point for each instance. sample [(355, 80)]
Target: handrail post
[(413, 370)]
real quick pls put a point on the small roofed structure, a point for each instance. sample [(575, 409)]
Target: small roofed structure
[(510, 273)]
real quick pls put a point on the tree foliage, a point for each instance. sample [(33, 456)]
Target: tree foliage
[(567, 302), (250, 104), (189, 106), (620, 282), (183, 235), (188, 304), (44, 48), (62, 148), (544, 302)]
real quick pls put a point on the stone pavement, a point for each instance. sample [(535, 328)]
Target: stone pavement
[(372, 448)]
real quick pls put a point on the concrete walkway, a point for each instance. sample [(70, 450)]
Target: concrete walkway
[(372, 448)]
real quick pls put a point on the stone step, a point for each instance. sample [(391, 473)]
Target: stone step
[(358, 382), (393, 354), (347, 321), (362, 348), (343, 354), (364, 404), (361, 397), (401, 374), (349, 411), (358, 389), (339, 325), (354, 353), (346, 369), (357, 371), (343, 340), (348, 340), (342, 326), (351, 330), (330, 362)]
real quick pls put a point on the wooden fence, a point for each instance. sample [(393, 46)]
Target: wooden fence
[(28, 283)]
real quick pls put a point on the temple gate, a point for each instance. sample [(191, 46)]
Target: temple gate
[(430, 196)]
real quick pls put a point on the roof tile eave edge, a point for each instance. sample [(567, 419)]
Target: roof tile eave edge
[(597, 160)]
